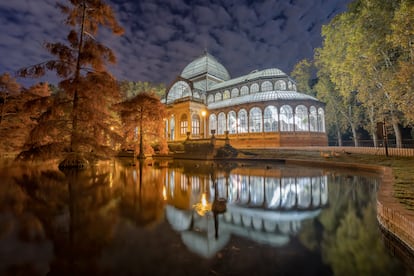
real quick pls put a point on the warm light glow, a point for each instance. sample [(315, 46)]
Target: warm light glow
[(203, 207), (164, 193), (203, 113)]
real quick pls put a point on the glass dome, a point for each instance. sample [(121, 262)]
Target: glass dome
[(206, 64)]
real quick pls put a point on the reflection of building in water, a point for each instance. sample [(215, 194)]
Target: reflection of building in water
[(266, 206)]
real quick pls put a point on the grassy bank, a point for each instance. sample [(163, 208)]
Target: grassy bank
[(403, 167)]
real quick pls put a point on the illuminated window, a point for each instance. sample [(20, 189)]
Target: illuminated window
[(183, 124), (218, 97), (301, 118), (195, 124), (255, 120), (226, 95), (313, 117), (212, 122), (221, 123), (172, 128), (321, 120), (286, 118), (280, 85), (180, 89), (266, 86), (270, 119), (254, 88), (244, 91), (232, 122), (234, 92), (210, 98), (242, 121)]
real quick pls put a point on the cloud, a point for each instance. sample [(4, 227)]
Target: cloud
[(162, 37)]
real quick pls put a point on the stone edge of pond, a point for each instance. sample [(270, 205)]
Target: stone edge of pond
[(391, 214)]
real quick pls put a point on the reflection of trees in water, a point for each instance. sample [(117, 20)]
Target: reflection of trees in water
[(74, 212), (142, 200), (77, 211), (350, 242)]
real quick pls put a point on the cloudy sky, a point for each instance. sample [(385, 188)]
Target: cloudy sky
[(163, 36)]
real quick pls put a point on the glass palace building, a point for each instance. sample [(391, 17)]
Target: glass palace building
[(260, 109)]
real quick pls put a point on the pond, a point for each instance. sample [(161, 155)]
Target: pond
[(161, 217)]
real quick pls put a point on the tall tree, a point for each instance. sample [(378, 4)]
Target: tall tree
[(81, 63), (357, 57), (402, 38)]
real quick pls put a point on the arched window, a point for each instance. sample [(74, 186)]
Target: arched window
[(183, 124), (196, 95), (212, 123), (180, 89), (266, 86), (294, 87), (232, 122), (218, 97), (226, 95), (286, 118), (313, 119), (221, 123), (172, 128), (290, 85), (270, 119), (301, 118), (195, 125), (321, 120), (210, 99), (254, 88), (280, 85), (242, 121), (234, 92), (255, 120), (244, 91)]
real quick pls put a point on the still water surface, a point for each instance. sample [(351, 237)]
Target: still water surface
[(190, 218)]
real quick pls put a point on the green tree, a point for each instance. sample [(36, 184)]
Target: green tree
[(336, 121), (302, 73), (402, 38), (81, 63), (130, 89), (357, 57)]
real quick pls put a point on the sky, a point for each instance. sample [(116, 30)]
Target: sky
[(163, 36)]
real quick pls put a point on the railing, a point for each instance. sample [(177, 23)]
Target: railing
[(406, 143), (337, 151)]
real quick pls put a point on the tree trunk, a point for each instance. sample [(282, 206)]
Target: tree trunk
[(398, 136), (74, 135), (354, 135), (339, 136)]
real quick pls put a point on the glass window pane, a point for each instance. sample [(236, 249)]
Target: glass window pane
[(255, 120), (242, 121), (267, 86), (301, 118), (286, 118), (270, 119), (221, 123), (232, 122)]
